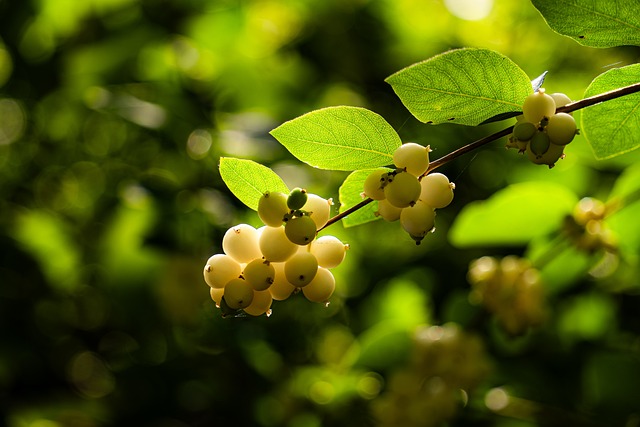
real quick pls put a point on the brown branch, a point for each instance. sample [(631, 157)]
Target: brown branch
[(587, 102)]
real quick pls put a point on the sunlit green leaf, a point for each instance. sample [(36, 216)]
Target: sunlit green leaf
[(513, 215), (611, 127), (351, 194), (588, 316), (340, 138), (249, 180), (465, 86), (595, 23)]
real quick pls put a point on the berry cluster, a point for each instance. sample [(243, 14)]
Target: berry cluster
[(406, 194), (540, 131), (511, 289), (587, 229), (278, 259), (445, 364)]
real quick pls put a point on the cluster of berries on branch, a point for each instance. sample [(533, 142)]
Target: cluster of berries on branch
[(407, 194), (587, 229), (540, 131), (276, 260), (446, 363), (511, 289)]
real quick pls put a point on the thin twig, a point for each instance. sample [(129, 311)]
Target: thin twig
[(587, 102)]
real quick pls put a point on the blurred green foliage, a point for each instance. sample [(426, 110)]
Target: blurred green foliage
[(113, 117)]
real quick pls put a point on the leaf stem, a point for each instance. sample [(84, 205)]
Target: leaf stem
[(573, 106)]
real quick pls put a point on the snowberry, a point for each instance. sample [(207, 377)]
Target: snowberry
[(297, 198), (560, 99), (436, 190), (280, 289), (301, 230), (561, 128), (259, 273), (538, 145), (537, 106), (219, 269), (238, 293), (418, 220), (524, 131), (319, 209), (402, 190), (272, 207), (260, 304), (301, 268), (329, 251), (387, 211), (274, 244), (375, 183), (321, 287), (412, 157), (241, 243)]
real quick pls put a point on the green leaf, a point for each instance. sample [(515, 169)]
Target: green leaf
[(339, 138), (464, 86), (611, 127), (350, 194), (514, 215), (249, 180), (603, 23)]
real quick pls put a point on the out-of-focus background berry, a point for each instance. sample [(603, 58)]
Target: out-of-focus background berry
[(113, 117)]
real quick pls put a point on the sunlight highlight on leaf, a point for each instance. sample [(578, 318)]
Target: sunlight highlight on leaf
[(249, 180), (339, 138), (464, 86), (611, 127)]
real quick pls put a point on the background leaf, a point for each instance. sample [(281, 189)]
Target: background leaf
[(350, 195), (611, 127), (248, 180), (514, 215), (339, 138), (604, 23), (465, 86)]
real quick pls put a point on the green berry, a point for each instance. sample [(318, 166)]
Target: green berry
[(539, 144), (259, 273), (524, 131), (301, 268), (537, 106), (402, 190), (412, 157), (297, 198), (272, 207), (375, 183), (300, 230), (561, 128), (550, 157)]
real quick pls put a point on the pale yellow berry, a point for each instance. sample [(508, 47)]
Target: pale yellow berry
[(301, 268), (274, 244), (280, 289), (321, 287), (219, 269), (241, 243), (238, 293), (260, 304), (329, 251)]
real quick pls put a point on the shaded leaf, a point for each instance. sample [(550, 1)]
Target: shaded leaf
[(465, 86), (339, 138), (611, 127), (249, 180), (514, 215), (604, 23)]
